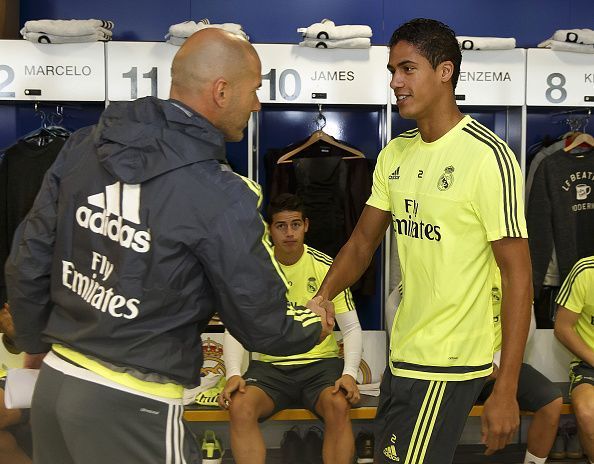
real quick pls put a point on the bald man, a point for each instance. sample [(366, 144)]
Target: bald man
[(141, 231)]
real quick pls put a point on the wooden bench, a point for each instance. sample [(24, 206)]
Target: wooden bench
[(197, 414)]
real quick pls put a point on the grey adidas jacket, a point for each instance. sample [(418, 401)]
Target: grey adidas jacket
[(139, 234)]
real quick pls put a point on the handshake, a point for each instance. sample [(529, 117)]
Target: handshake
[(325, 309)]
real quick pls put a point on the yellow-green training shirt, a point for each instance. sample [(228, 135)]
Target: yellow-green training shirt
[(577, 295), (305, 277), (449, 199)]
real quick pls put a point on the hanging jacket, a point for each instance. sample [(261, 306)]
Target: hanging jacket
[(142, 232), (21, 175), (333, 191), (560, 213)]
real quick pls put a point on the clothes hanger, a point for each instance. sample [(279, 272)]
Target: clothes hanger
[(321, 136), (49, 128), (578, 140)]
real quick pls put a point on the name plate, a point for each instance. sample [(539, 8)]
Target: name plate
[(139, 69), (492, 78), (294, 74), (560, 78), (58, 72)]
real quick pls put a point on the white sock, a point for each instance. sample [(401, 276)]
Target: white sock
[(531, 459)]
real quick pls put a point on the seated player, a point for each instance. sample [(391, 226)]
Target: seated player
[(574, 328), (536, 393), (317, 380)]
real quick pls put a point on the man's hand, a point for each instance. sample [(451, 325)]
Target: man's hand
[(325, 309), (499, 422), (349, 385), (6, 325), (33, 361), (234, 383)]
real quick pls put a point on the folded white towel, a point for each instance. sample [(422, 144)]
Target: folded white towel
[(578, 36), (566, 46), (486, 43), (187, 28), (68, 27), (346, 43), (370, 389), (39, 37), (327, 30), (175, 40)]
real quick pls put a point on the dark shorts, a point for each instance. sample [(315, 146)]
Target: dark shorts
[(580, 372), (421, 421), (294, 386), (534, 389)]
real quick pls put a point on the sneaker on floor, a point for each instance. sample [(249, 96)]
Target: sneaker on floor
[(292, 447), (558, 449), (313, 442), (574, 448), (212, 452), (364, 447)]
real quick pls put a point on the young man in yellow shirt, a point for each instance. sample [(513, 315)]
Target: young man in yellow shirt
[(318, 379), (574, 327), (453, 192)]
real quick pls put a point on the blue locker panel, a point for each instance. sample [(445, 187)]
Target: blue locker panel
[(528, 21), (547, 124), (282, 125), (277, 22), (18, 119), (148, 20)]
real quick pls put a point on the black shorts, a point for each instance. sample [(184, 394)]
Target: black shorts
[(294, 386), (421, 421), (580, 372), (534, 389)]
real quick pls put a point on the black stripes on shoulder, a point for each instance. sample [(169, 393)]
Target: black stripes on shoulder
[(565, 292), (507, 172), (319, 256), (348, 297), (409, 134)]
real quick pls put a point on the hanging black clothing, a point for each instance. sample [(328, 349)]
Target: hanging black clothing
[(21, 175), (333, 190), (561, 213)]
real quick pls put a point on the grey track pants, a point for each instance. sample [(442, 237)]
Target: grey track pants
[(78, 421)]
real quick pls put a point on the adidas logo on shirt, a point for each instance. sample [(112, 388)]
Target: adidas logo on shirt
[(395, 175), (119, 202)]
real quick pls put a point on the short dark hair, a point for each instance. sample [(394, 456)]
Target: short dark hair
[(434, 40), (285, 202)]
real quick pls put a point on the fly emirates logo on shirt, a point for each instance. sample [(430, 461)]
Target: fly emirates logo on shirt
[(119, 202), (414, 227)]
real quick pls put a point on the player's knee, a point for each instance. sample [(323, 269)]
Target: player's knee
[(552, 411), (584, 413), (336, 407), (7, 442), (242, 411)]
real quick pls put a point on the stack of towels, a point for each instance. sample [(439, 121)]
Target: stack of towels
[(571, 40), (178, 33), (326, 34), (67, 31), (486, 43)]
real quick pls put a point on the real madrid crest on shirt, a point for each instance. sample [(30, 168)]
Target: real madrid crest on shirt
[(446, 179), (312, 285)]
